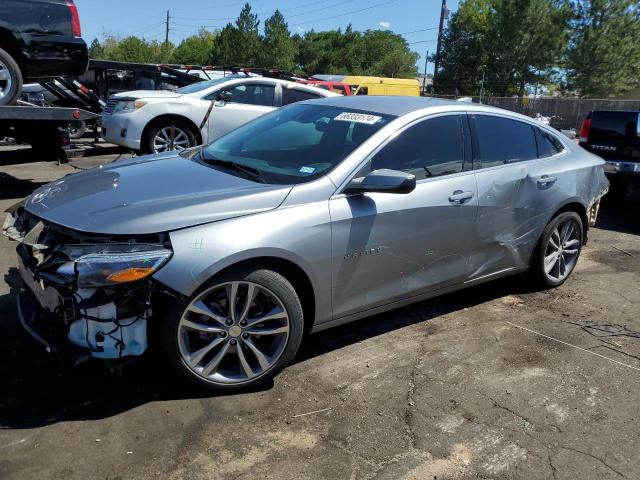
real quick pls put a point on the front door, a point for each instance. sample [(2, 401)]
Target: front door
[(243, 102), (387, 247)]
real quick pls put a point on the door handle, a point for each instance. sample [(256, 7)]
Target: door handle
[(545, 180), (459, 197)]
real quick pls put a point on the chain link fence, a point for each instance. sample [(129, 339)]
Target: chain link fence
[(565, 113)]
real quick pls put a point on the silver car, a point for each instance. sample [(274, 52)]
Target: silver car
[(317, 214)]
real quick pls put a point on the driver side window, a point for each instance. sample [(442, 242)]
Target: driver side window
[(248, 94), (430, 148)]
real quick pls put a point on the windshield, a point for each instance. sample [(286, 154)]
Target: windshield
[(298, 143), (199, 86)]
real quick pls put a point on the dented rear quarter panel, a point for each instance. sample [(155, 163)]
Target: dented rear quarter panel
[(514, 207)]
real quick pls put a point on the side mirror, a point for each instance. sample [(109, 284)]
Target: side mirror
[(383, 181), (223, 97)]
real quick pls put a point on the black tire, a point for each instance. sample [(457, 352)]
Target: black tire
[(77, 129), (8, 97), (538, 261), (269, 279), (147, 143)]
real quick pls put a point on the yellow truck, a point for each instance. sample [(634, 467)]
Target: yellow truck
[(383, 86)]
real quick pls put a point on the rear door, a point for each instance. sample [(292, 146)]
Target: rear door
[(387, 247), (508, 219), (246, 101)]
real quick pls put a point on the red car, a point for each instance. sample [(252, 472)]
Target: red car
[(337, 87)]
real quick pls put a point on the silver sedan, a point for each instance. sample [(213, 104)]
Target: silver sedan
[(317, 214)]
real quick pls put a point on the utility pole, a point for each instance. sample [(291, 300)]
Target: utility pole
[(166, 40), (436, 64), (424, 79), (481, 87)]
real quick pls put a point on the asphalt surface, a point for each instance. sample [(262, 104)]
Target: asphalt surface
[(497, 381)]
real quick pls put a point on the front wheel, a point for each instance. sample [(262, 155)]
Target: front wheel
[(237, 332), (560, 245), (168, 135)]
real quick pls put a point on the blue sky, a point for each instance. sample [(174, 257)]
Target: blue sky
[(145, 18)]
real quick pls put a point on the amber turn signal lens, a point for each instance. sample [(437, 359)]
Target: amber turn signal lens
[(130, 275)]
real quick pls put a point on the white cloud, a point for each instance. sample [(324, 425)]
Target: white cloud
[(300, 29), (385, 25)]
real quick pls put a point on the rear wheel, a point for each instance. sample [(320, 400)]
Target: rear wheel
[(167, 135), (559, 248), (10, 79), (237, 332)]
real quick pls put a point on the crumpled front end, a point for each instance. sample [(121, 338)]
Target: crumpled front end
[(86, 295)]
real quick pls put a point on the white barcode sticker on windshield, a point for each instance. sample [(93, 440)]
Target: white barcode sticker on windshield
[(357, 117)]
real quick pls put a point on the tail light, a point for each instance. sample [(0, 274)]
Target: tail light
[(584, 129), (75, 18)]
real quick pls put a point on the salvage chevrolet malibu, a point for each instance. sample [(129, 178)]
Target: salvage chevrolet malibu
[(317, 214)]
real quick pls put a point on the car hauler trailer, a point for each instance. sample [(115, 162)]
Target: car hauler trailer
[(46, 129)]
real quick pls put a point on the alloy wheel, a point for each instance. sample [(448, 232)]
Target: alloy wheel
[(233, 333), (562, 249), (171, 138), (6, 82)]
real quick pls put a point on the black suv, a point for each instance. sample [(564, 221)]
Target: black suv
[(39, 39)]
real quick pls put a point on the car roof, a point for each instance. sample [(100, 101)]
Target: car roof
[(358, 80), (386, 105)]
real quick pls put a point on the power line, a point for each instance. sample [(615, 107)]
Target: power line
[(232, 4), (281, 11), (348, 13), (416, 31), (423, 41)]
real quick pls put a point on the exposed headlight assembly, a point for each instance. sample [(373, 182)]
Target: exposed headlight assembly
[(112, 264), (124, 106)]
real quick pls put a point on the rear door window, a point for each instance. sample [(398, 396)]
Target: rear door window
[(502, 140), (293, 95)]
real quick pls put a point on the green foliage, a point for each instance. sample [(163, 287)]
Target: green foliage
[(587, 46), (278, 47), (374, 52), (130, 49), (195, 50), (96, 50), (384, 53), (515, 43), (239, 44), (604, 57), (327, 52)]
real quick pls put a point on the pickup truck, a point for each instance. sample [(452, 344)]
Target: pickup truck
[(39, 40), (615, 136)]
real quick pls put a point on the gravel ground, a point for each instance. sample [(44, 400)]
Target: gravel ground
[(497, 381)]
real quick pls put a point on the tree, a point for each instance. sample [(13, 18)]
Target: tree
[(239, 44), (331, 52), (604, 58), (196, 49), (279, 49), (464, 51), (384, 53), (515, 44), (225, 46), (96, 50)]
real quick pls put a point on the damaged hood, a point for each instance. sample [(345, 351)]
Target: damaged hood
[(150, 195)]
